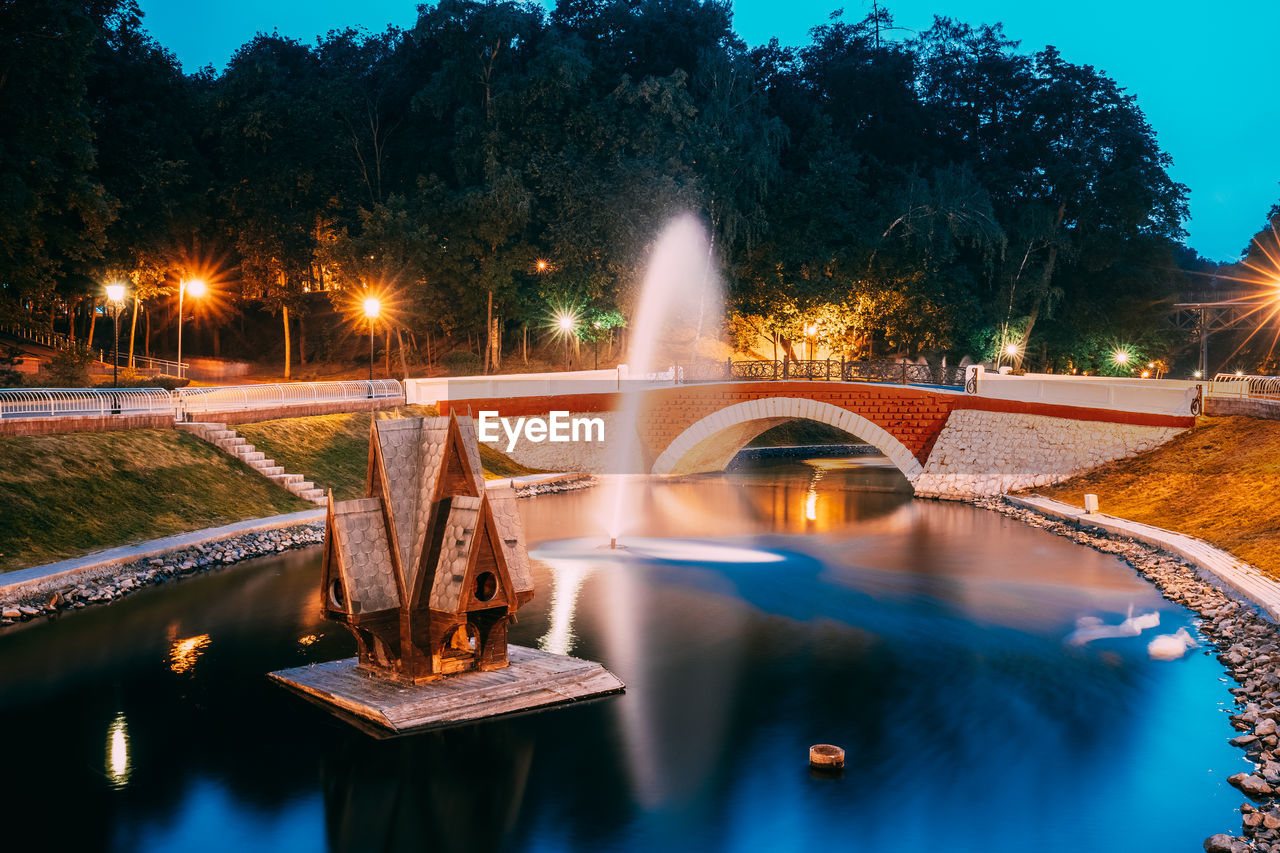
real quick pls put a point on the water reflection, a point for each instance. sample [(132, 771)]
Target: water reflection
[(118, 752), (183, 654), (928, 639), (565, 585)]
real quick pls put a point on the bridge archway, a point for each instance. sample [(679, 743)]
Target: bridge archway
[(710, 444)]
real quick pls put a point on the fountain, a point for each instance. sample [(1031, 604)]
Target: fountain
[(679, 312)]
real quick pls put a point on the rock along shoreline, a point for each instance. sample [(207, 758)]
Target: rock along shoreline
[(1247, 644), (111, 583)]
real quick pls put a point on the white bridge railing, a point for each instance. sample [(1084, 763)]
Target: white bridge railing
[(82, 402), (234, 398), (185, 402), (1247, 387), (1121, 394)]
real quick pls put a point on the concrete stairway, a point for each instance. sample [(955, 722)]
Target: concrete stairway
[(232, 444)]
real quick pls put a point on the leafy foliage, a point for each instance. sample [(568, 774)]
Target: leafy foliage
[(906, 196)]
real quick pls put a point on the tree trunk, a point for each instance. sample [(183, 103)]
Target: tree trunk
[(524, 352), (302, 340), (488, 325), (133, 329), (404, 364), (71, 320), (284, 311), (146, 313), (387, 353), (1045, 280), (93, 320)]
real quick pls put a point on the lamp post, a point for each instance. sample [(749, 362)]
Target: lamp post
[(115, 295), (198, 288), (372, 307), (566, 323)]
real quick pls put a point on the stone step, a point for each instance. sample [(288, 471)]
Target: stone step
[(243, 449), (228, 443), (266, 467), (285, 479), (300, 487), (314, 495), (216, 434), (250, 458)]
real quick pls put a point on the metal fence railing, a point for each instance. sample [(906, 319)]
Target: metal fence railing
[(72, 402), (1250, 387), (52, 340), (166, 366), (185, 402), (226, 398), (825, 370)]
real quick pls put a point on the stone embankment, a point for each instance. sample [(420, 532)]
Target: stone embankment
[(91, 588), (990, 453), (110, 582), (1247, 645)]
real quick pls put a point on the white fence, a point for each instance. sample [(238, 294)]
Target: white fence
[(238, 398), (185, 402), (433, 391), (1145, 396), (83, 402), (1245, 387)]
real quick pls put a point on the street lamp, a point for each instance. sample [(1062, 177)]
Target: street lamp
[(566, 322), (809, 332), (198, 288), (372, 308), (115, 295)]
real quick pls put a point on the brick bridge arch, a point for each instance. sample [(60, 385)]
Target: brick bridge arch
[(710, 443)]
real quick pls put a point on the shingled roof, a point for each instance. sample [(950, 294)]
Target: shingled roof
[(360, 539)]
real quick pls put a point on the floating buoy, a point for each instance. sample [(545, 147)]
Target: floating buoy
[(826, 757)]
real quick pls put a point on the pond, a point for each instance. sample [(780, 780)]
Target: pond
[(756, 613)]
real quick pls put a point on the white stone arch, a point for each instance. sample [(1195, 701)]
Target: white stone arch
[(712, 442)]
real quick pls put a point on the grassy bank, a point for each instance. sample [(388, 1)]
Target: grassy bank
[(1219, 481), (65, 495), (333, 450)]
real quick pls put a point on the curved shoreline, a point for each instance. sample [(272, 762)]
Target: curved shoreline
[(104, 576), (1247, 643)]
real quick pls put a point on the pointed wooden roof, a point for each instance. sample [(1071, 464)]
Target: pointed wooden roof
[(364, 556), (510, 529)]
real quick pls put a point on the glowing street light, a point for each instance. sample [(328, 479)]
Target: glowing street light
[(197, 288), (1121, 357), (543, 265), (372, 308), (115, 296), (566, 322)]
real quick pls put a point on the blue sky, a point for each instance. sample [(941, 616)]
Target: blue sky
[(1201, 71)]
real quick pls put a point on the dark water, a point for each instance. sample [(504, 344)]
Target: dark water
[(930, 640)]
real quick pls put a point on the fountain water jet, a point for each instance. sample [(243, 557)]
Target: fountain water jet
[(680, 310)]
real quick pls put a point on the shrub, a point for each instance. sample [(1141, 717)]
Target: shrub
[(9, 377), (461, 363), (69, 368)]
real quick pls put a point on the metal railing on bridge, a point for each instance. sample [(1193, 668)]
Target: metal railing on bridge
[(1248, 387), (228, 398), (83, 402), (825, 370)]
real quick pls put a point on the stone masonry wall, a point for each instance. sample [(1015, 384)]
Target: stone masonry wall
[(989, 453)]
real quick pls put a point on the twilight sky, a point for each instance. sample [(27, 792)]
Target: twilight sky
[(1202, 72)]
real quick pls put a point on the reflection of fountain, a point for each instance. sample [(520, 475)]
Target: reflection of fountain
[(680, 306), (567, 582)]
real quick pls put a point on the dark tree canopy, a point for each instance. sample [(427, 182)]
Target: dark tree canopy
[(942, 193)]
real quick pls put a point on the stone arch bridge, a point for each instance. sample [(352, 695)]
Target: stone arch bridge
[(1013, 433)]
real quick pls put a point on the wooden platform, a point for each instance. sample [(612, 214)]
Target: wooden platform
[(533, 680)]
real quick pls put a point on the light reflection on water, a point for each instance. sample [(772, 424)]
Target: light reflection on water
[(928, 639)]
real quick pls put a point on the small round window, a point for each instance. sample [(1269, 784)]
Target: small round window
[(486, 586)]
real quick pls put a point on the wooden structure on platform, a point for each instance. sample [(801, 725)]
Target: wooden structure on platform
[(429, 569), (427, 572)]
